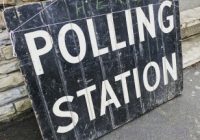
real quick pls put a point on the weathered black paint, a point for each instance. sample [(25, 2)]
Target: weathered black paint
[(60, 78)]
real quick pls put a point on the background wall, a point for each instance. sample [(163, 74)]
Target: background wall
[(13, 93)]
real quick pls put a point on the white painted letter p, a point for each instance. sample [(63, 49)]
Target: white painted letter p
[(36, 53)]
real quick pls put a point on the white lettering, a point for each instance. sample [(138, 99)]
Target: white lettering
[(143, 21), (36, 53), (169, 18), (137, 83), (123, 77), (111, 27), (167, 68), (96, 51), (62, 44), (145, 76), (87, 93), (106, 88), (69, 114), (129, 24)]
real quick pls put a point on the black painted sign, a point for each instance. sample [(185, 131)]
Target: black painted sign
[(94, 65)]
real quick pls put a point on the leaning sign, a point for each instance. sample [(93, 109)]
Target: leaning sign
[(92, 66)]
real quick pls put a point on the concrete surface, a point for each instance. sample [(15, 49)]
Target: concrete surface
[(190, 22), (188, 4), (178, 119), (26, 129), (191, 51)]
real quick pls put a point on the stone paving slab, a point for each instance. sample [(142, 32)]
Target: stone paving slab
[(191, 51), (188, 4), (190, 22)]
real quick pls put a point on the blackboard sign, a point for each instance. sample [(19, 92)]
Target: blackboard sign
[(93, 65)]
